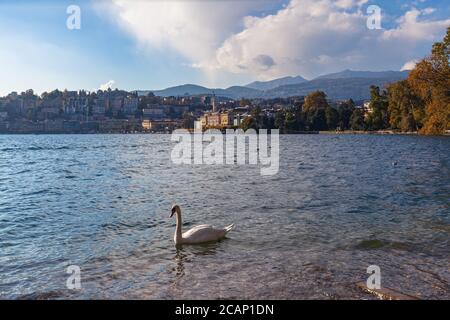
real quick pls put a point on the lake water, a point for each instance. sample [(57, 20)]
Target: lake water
[(337, 205)]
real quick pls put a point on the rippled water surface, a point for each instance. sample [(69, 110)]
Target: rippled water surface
[(337, 205)]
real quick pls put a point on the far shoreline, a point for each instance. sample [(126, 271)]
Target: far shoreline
[(329, 132)]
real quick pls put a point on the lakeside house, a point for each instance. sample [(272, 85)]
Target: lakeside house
[(160, 125)]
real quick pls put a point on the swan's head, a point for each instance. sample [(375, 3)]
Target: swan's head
[(175, 209)]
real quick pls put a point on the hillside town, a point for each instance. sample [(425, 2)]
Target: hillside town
[(111, 111), (118, 111)]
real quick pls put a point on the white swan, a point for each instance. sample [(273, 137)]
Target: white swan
[(198, 234)]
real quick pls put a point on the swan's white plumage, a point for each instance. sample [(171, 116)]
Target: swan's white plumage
[(198, 234)]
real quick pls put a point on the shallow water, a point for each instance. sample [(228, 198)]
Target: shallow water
[(337, 205)]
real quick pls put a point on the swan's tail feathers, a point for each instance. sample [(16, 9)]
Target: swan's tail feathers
[(229, 228)]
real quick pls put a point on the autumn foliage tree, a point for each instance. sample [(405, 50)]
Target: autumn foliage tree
[(430, 80), (315, 101)]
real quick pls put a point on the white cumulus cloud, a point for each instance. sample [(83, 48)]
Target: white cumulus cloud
[(306, 37), (193, 28), (314, 37)]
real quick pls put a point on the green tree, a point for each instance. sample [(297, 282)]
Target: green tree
[(245, 102), (378, 118), (332, 118), (290, 121), (406, 111), (256, 115), (357, 120), (279, 120), (268, 122), (345, 112), (317, 120)]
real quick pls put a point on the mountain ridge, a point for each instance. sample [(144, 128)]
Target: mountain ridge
[(270, 84), (340, 85), (347, 73)]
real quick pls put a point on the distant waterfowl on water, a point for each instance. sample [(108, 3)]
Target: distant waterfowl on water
[(198, 234)]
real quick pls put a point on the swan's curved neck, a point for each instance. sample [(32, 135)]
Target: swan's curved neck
[(179, 224)]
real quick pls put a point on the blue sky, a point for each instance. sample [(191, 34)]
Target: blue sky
[(154, 44)]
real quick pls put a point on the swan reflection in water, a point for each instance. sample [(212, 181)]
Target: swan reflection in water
[(185, 255)]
